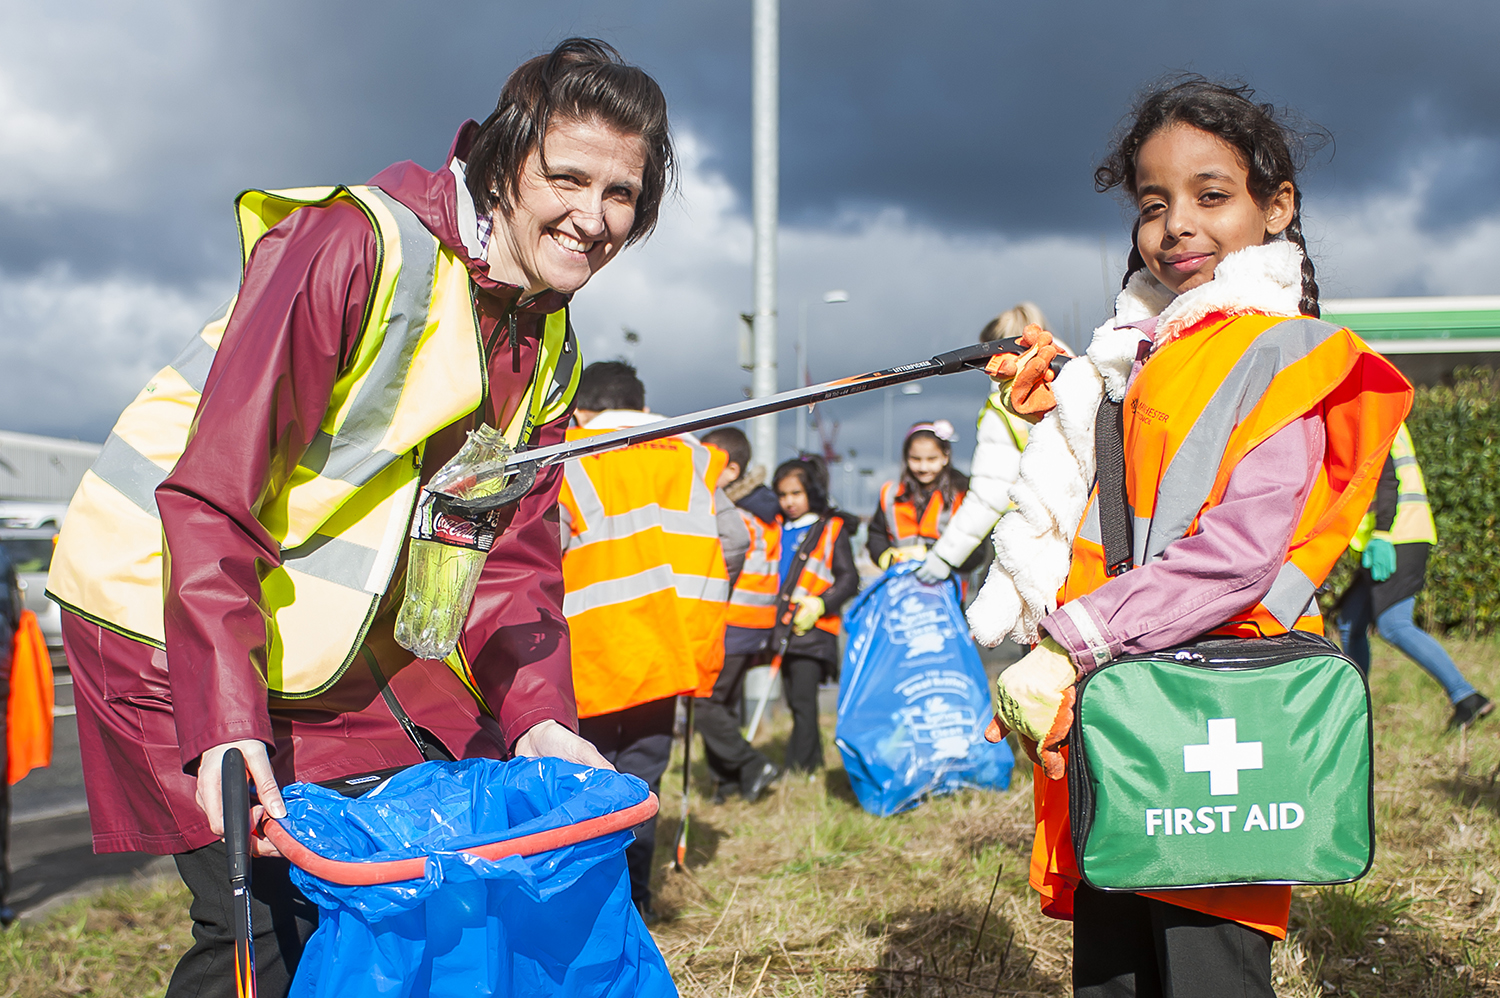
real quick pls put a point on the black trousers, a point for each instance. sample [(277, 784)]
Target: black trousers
[(731, 759), (5, 663), (281, 920), (800, 676), (638, 741), (1129, 946)]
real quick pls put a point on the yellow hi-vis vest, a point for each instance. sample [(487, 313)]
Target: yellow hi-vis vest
[(646, 587), (1413, 523), (342, 518)]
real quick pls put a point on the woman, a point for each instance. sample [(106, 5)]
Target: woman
[(343, 376)]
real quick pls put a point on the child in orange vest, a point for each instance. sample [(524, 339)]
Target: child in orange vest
[(817, 575), (1281, 422), (914, 510)]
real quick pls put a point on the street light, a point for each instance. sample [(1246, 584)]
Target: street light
[(829, 298)]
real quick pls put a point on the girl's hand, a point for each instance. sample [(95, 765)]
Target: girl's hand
[(809, 611), (1035, 699)]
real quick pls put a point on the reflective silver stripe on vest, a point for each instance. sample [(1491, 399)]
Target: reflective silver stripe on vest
[(335, 560), (1420, 497), (658, 578), (354, 455), (743, 597), (1290, 595), (1090, 530), (1189, 479), (129, 472), (197, 357), (620, 525), (1403, 462)]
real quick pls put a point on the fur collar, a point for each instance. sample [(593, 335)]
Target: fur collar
[(1034, 541)]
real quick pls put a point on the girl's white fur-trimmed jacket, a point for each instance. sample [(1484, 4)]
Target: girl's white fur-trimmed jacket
[(1034, 542)]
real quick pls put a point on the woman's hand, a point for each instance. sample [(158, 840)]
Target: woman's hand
[(552, 739), (210, 793)]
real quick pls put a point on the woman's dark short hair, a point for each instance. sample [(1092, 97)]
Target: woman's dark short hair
[(583, 79), (609, 384)]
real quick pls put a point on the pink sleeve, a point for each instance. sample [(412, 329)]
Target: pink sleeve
[(1204, 580)]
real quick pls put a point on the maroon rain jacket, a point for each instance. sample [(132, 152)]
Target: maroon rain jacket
[(145, 716)]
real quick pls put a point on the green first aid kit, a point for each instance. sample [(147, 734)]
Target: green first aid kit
[(1223, 762)]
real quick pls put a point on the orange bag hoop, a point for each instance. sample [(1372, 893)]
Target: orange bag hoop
[(355, 874)]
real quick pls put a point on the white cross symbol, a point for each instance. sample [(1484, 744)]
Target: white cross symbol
[(1222, 758)]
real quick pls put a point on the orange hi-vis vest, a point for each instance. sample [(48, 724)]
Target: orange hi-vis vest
[(644, 577), (752, 604), (817, 574), (1198, 406), (906, 528)]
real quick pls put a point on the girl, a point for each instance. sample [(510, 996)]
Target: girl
[(817, 573), (1279, 424), (914, 512)]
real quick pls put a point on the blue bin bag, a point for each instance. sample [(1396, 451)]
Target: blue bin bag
[(914, 700), (557, 923)]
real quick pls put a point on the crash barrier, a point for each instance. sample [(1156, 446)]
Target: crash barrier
[(475, 878), (913, 699)]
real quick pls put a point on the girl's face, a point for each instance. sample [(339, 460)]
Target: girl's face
[(793, 496), (925, 460), (571, 218), (1196, 207)]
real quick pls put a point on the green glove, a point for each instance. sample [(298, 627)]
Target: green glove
[(1380, 558), (809, 610)]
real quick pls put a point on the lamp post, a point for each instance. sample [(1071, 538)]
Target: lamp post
[(829, 298), (765, 84)]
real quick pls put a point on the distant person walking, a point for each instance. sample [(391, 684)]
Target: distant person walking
[(996, 462), (915, 509), (1394, 541), (737, 765)]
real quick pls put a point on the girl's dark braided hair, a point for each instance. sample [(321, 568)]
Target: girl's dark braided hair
[(1273, 151)]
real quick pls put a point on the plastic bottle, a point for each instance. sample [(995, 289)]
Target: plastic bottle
[(447, 549)]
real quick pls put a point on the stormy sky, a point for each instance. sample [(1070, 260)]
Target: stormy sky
[(936, 164)]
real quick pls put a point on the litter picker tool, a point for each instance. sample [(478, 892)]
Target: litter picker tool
[(680, 861), (521, 468), (237, 845), (765, 695)]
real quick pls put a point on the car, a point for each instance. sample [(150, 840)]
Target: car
[(30, 550), (32, 513)]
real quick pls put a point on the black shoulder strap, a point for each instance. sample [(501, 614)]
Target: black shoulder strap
[(1109, 462)]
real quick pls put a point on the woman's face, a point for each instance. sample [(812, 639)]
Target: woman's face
[(925, 460), (793, 496), (572, 217), (1196, 207)]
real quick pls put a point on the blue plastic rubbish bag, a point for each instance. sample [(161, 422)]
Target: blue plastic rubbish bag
[(913, 698), (557, 923)]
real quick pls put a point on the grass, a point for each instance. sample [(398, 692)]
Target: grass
[(804, 894)]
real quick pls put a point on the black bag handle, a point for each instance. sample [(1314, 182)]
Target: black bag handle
[(1109, 462)]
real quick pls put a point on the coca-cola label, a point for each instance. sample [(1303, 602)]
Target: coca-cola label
[(477, 532)]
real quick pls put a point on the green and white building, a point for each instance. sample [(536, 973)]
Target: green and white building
[(1425, 337)]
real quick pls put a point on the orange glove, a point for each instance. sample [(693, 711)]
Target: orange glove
[(1030, 374)]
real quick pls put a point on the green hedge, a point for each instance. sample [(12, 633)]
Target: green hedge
[(1455, 430)]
